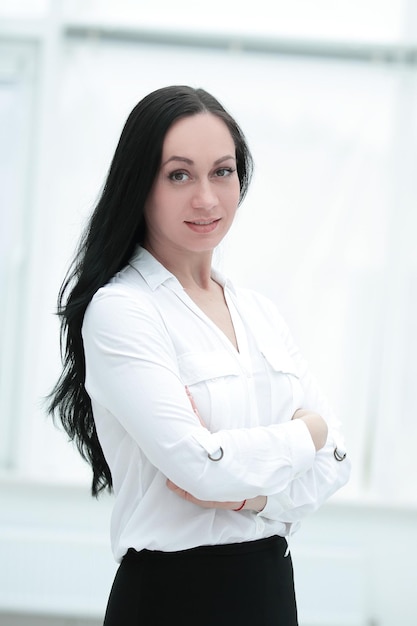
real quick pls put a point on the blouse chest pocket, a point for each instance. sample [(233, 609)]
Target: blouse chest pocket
[(196, 367), (214, 380), (286, 390), (280, 361)]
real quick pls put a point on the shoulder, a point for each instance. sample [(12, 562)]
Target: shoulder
[(128, 284), (124, 297)]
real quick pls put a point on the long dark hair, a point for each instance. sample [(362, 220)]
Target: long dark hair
[(116, 226)]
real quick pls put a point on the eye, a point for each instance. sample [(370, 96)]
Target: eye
[(178, 176), (224, 171)]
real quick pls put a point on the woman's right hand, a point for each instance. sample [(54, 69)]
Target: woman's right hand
[(251, 504), (316, 425)]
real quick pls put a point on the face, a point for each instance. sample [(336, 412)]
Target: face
[(195, 195)]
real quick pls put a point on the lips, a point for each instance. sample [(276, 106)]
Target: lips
[(202, 222), (203, 226)]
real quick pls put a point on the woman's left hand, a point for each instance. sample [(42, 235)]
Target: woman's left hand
[(252, 504)]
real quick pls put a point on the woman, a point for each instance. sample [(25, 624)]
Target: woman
[(185, 393)]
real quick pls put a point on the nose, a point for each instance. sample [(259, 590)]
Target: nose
[(204, 196)]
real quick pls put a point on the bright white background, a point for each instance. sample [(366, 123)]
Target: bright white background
[(326, 93)]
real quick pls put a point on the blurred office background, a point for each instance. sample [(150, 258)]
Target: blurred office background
[(326, 92)]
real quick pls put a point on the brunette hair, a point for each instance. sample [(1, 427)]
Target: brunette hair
[(116, 226)]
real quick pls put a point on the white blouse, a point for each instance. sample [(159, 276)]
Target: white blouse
[(145, 340)]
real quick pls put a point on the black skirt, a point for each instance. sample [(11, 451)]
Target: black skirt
[(247, 584)]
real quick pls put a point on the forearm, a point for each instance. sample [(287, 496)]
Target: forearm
[(318, 430), (316, 425), (251, 504)]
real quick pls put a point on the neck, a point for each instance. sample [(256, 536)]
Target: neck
[(192, 270)]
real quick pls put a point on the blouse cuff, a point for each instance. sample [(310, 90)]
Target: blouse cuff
[(275, 506), (302, 447)]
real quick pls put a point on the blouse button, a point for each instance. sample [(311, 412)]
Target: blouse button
[(217, 456), (339, 454)]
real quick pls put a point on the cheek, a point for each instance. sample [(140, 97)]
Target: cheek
[(154, 206)]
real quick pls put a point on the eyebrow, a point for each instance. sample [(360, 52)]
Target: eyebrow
[(190, 161)]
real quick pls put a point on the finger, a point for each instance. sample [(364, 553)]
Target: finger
[(173, 487)]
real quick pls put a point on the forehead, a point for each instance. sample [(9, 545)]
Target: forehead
[(200, 133)]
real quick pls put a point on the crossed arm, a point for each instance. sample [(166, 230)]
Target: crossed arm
[(317, 428)]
